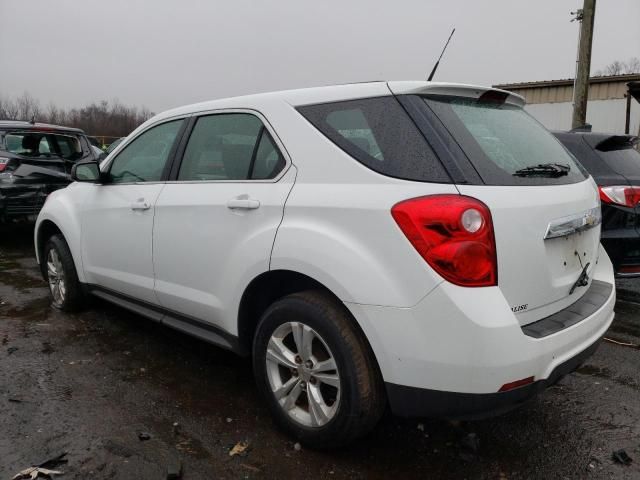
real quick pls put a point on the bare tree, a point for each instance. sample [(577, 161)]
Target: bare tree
[(619, 67), (101, 119), (28, 107), (633, 65), (9, 109)]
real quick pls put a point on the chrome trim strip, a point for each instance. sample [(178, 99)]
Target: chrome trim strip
[(562, 227)]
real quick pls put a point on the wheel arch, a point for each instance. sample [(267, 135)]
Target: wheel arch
[(272, 285), (46, 227)]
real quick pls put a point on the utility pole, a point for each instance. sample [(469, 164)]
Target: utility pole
[(581, 85)]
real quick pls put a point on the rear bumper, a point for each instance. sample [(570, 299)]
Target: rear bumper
[(450, 354), (621, 239), (419, 402), (22, 201), (624, 252)]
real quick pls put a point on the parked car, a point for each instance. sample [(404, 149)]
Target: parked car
[(112, 146), (36, 159), (422, 244), (614, 164), (95, 142), (98, 153)]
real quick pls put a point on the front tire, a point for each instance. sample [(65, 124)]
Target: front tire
[(316, 371), (60, 273)]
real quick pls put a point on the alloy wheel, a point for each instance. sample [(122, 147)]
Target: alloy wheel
[(55, 275), (303, 374)]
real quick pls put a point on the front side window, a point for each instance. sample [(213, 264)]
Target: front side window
[(145, 158), (231, 146)]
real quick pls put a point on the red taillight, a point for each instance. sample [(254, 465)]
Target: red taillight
[(454, 234), (518, 383), (3, 163), (620, 195), (629, 269)]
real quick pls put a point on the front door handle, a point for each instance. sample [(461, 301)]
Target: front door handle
[(140, 204), (243, 204)]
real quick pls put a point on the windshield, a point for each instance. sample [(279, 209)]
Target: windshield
[(506, 145), (43, 145)]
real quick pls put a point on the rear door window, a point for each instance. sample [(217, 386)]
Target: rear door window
[(268, 160), (231, 146), (502, 141), (378, 133)]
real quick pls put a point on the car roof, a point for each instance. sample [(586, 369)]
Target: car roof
[(334, 93), (40, 127)]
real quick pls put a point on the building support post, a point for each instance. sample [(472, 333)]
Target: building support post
[(627, 122)]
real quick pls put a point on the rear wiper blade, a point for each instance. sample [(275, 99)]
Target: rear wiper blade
[(544, 169)]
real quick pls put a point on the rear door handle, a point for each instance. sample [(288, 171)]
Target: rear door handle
[(243, 204), (140, 204)]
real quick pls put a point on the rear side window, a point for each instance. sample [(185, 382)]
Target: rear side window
[(233, 146), (379, 134), (505, 144)]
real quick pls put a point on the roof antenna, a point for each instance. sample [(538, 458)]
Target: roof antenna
[(435, 67)]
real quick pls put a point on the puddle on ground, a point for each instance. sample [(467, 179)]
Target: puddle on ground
[(36, 309), (605, 373), (18, 280)]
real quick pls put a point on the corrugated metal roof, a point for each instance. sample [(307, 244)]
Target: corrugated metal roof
[(569, 81), (560, 91)]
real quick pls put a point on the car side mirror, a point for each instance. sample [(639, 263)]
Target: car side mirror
[(86, 172)]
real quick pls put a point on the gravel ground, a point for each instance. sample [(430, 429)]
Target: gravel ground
[(90, 383)]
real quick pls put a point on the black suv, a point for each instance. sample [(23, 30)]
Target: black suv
[(614, 164), (36, 159)]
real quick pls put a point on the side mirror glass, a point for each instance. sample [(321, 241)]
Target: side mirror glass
[(86, 172)]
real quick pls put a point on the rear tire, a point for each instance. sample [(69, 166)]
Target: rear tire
[(316, 371), (61, 276)]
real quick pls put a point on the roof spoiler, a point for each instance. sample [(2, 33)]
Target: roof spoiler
[(455, 89), (617, 142)]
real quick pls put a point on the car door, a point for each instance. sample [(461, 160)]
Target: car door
[(216, 222), (117, 217)]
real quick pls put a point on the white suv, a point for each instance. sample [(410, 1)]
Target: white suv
[(425, 245)]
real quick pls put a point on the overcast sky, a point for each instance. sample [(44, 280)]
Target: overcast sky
[(164, 53)]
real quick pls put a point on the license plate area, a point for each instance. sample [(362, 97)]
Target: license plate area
[(568, 255)]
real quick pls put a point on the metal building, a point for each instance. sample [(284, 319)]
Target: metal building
[(614, 102)]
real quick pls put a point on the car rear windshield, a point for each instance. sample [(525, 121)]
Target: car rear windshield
[(379, 134), (43, 145), (625, 160), (505, 144)]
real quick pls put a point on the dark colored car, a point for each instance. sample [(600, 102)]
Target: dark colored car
[(36, 159), (614, 163)]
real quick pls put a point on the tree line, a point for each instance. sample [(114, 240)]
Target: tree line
[(620, 67), (100, 119)]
